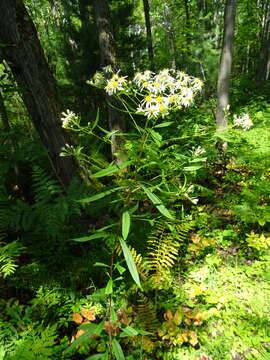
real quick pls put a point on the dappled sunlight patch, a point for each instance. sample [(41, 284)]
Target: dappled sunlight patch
[(241, 295)]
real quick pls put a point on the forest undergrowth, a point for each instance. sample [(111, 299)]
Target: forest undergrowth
[(163, 256)]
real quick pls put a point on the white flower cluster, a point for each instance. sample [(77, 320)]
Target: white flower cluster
[(244, 121), (68, 118), (167, 90), (198, 151), (116, 83), (159, 93)]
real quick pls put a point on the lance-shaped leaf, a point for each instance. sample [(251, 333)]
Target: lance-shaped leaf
[(102, 356), (130, 262), (100, 195), (117, 350), (109, 287), (110, 170), (125, 224), (164, 124), (92, 329), (92, 237), (158, 203)]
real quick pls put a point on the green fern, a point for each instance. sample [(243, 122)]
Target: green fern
[(146, 314), (8, 256), (164, 244), (35, 344), (45, 188), (162, 253)]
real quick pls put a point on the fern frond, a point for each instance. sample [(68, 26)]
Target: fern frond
[(162, 249), (164, 244), (8, 255), (147, 316), (44, 186), (118, 250)]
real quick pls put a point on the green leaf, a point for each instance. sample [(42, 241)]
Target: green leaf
[(202, 159), (158, 203), (164, 124), (96, 120), (92, 237), (156, 137), (130, 262), (129, 331), (134, 208), (125, 224), (117, 350), (119, 278), (101, 264), (110, 170), (120, 268), (192, 167), (93, 329), (100, 195), (109, 287), (261, 222), (143, 332)]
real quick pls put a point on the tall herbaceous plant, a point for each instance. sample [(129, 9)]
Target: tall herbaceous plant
[(150, 179)]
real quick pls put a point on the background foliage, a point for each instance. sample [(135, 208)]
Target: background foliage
[(165, 256)]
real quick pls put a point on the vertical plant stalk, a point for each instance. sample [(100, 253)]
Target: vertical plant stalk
[(148, 33), (110, 305), (225, 64)]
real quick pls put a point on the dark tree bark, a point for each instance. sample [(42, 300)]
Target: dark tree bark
[(24, 55), (108, 57), (105, 37), (264, 54), (225, 63), (148, 33)]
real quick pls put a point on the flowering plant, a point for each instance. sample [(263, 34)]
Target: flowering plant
[(152, 154), (244, 121), (151, 95)]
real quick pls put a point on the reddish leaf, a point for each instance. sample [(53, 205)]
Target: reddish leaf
[(77, 318)]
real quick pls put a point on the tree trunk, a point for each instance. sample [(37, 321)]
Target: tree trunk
[(225, 63), (108, 57), (187, 31), (24, 55), (169, 31), (262, 67), (148, 33)]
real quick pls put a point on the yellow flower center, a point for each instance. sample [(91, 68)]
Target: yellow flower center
[(163, 108), (148, 98), (113, 84)]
